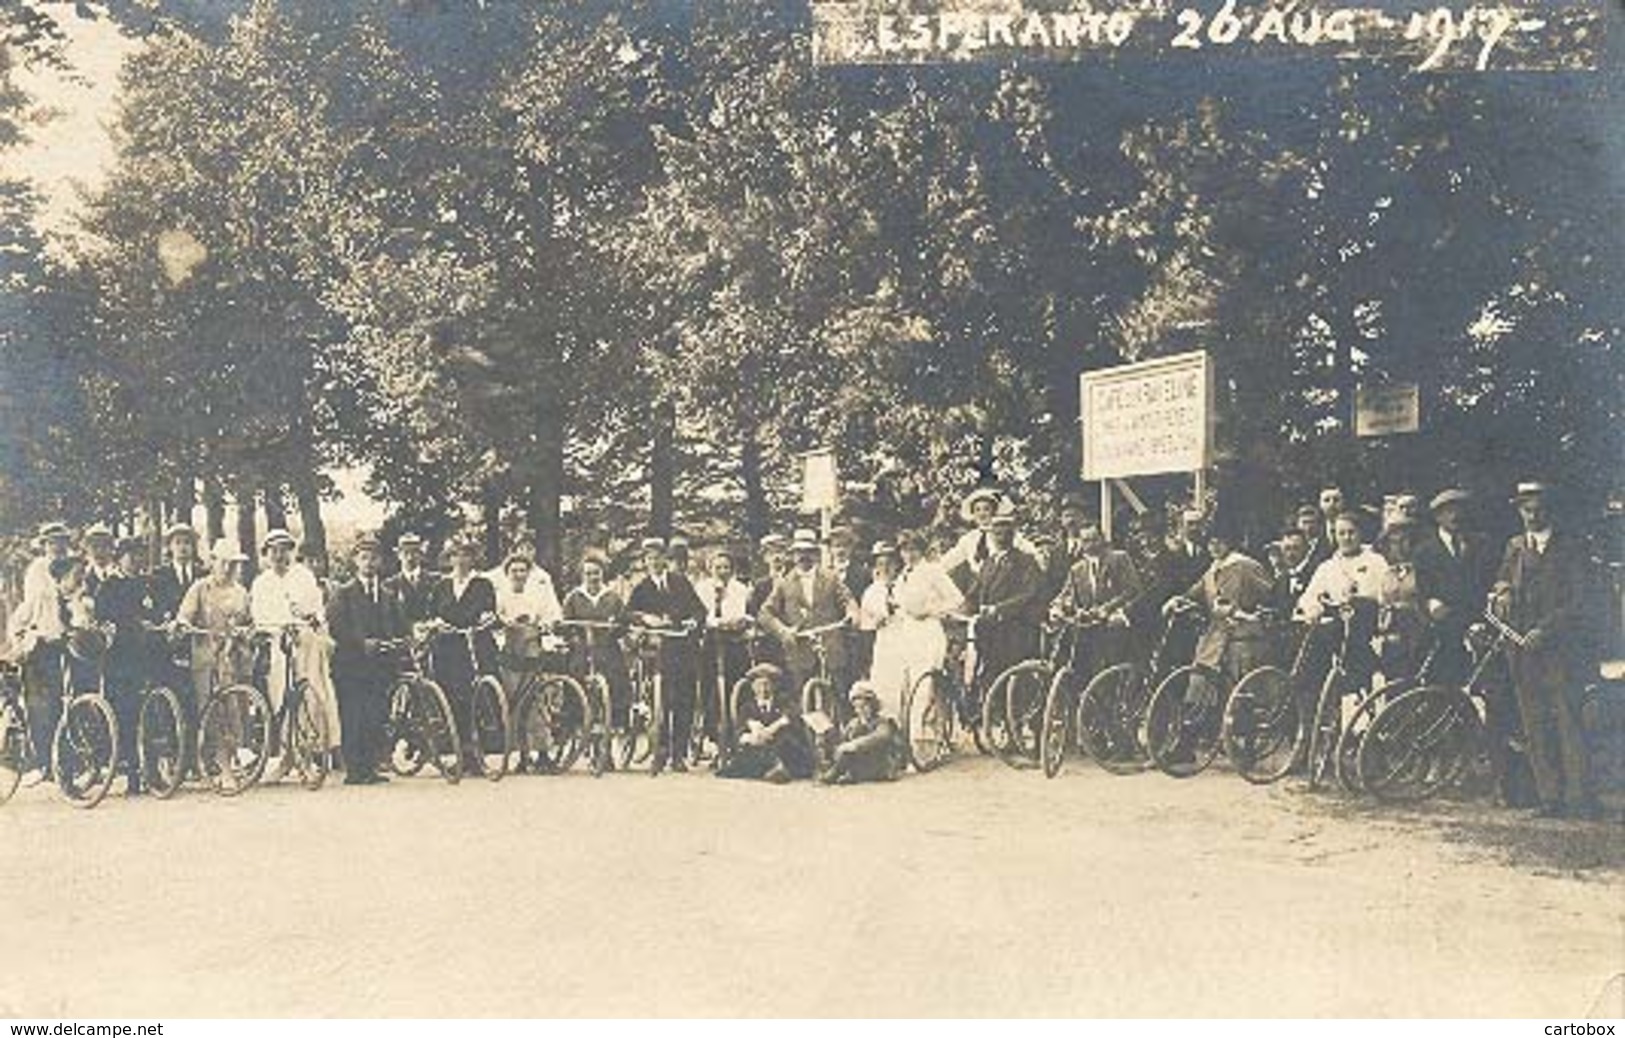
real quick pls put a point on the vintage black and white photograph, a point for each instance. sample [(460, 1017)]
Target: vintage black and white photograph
[(812, 509)]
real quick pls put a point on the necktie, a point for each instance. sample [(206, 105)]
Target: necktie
[(981, 549), (717, 609)]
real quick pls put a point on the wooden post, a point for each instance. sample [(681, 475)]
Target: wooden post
[(1106, 509)]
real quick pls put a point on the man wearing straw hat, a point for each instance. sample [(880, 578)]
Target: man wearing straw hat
[(807, 598)]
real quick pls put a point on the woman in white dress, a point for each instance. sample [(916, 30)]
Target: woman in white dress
[(912, 641)]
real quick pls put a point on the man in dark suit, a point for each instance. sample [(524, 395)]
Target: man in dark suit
[(412, 582), (1541, 591), (1318, 544), (1007, 599), (1454, 571), (665, 598), (1099, 587), (122, 600), (364, 616), (168, 585), (808, 597), (1067, 548)]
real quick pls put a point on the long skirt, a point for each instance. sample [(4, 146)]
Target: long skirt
[(904, 650)]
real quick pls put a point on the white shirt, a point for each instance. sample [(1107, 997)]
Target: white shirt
[(925, 591), (536, 602), (1538, 539), (965, 549), (879, 606), (735, 601), (1341, 578), (37, 582), (279, 599)]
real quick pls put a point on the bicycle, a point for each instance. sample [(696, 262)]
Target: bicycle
[(936, 703), (1112, 709), (420, 728), (722, 725), (17, 757), (1057, 732), (557, 718), (1013, 711), (1184, 720), (299, 731), (234, 722), (646, 737), (1358, 722), (818, 694), (160, 736), (489, 746), (1263, 728), (1326, 722), (1429, 737), (85, 746)]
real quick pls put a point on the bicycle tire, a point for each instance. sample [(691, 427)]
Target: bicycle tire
[(596, 689), (1419, 744), (1108, 719), (235, 719), (13, 750), (488, 720), (568, 717), (659, 730), (818, 696), (1261, 720), (1324, 728), (1345, 766), (308, 738), (161, 742), (1014, 702), (928, 722), (1184, 720), (407, 755), (442, 740), (1056, 727), (84, 750)]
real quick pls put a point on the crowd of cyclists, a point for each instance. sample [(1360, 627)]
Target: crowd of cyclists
[(796, 659)]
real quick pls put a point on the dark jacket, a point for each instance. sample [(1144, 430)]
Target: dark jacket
[(414, 595), (354, 618)]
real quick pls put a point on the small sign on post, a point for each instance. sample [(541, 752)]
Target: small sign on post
[(1387, 410), (820, 482)]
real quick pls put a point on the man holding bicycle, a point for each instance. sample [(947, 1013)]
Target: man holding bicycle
[(806, 599), (665, 600), (1540, 591), (1099, 587), (1005, 596), (368, 622)]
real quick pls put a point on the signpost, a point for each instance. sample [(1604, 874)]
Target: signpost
[(1147, 419), (820, 487), (1387, 410)]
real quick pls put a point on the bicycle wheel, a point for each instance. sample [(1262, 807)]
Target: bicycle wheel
[(161, 742), (818, 697), (1262, 727), (306, 736), (596, 690), (435, 729), (13, 749), (1419, 743), (1325, 728), (928, 721), (1013, 711), (1345, 762), (560, 727), (233, 733), (1184, 721), (84, 750), (488, 719), (1056, 733), (1108, 719)]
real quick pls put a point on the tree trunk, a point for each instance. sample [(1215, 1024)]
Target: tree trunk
[(276, 514), (214, 511), (309, 500), (154, 533), (185, 501), (547, 491), (758, 516), (492, 498), (248, 538), (663, 469)]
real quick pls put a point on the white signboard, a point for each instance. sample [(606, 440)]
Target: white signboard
[(1387, 410), (1148, 418), (820, 484)]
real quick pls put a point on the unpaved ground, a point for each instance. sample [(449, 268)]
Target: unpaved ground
[(973, 891)]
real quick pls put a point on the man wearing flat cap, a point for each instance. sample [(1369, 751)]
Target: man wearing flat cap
[(180, 571), (368, 624), (100, 562), (665, 598), (1541, 590)]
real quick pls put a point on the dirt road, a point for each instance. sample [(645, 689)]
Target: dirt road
[(974, 891)]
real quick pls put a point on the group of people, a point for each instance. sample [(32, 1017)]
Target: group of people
[(868, 622)]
